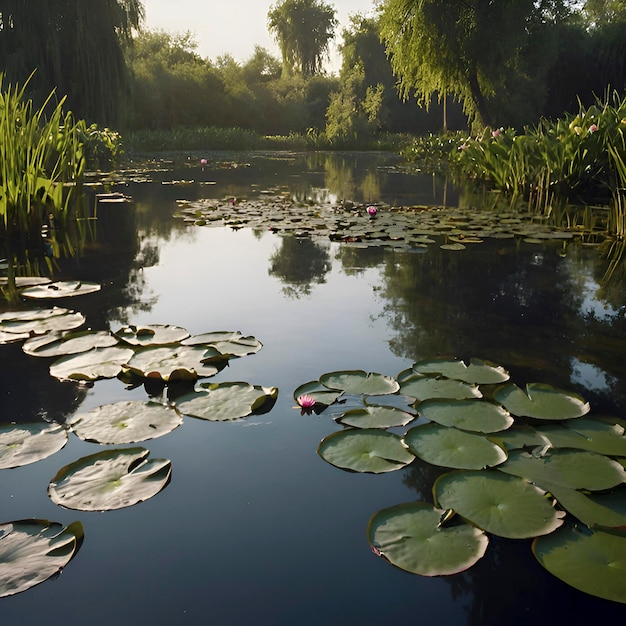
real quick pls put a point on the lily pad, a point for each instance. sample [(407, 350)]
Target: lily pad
[(593, 509), (60, 289), (593, 435), (365, 450), (541, 402), (592, 561), (449, 447), (22, 444), (57, 343), (469, 414), (506, 506), (576, 469), (9, 337), (225, 401), (173, 363), (423, 387), (320, 393), (125, 422), (376, 416), (40, 321), (230, 344), (33, 550), (359, 382), (91, 365), (478, 371), (412, 537), (108, 480), (152, 335)]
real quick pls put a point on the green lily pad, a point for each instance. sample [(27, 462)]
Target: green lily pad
[(592, 561), (91, 365), (125, 422), (40, 321), (225, 401), (60, 289), (230, 344), (506, 506), (576, 469), (57, 344), (22, 444), (423, 387), (359, 382), (376, 416), (449, 447), (321, 394), (33, 550), (541, 402), (593, 509), (172, 363), (523, 436), (478, 371), (108, 480), (412, 537), (365, 450), (469, 414), (587, 434), (152, 335)]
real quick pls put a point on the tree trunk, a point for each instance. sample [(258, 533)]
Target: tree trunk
[(480, 104)]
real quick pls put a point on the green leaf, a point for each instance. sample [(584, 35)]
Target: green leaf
[(478, 371), (91, 365), (592, 561), (33, 550), (593, 509), (359, 382), (40, 321), (108, 480), (423, 387), (412, 537), (231, 344), (56, 344), (506, 506), (225, 401), (376, 416), (366, 450), (125, 422), (449, 447), (60, 289), (321, 394), (152, 335), (587, 434), (22, 444), (542, 402), (469, 414), (576, 469)]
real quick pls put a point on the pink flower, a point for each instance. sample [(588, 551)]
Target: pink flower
[(496, 132), (593, 128), (372, 210), (203, 161), (306, 401)]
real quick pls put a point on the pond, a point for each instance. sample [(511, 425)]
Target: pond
[(254, 526)]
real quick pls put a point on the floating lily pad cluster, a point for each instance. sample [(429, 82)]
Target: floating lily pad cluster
[(33, 550), (529, 463), (374, 225)]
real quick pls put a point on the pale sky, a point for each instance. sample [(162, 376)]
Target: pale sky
[(235, 26)]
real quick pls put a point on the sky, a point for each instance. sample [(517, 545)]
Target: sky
[(235, 26)]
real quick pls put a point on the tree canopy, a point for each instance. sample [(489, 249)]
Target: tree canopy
[(303, 30)]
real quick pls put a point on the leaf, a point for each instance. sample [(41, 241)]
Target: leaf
[(33, 550), (376, 416), (40, 321), (108, 480), (228, 343), (60, 289), (541, 402), (152, 335), (449, 447), (506, 506), (56, 343), (592, 561), (478, 371), (467, 414), (91, 365), (593, 509), (411, 537), (125, 422), (365, 450), (423, 387), (359, 382), (225, 401), (22, 444), (320, 393)]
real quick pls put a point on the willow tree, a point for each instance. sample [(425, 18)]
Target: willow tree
[(75, 47), (303, 29), (463, 49)]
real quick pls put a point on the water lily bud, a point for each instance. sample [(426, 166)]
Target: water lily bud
[(372, 210)]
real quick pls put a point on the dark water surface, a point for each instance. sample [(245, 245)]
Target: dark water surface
[(254, 527)]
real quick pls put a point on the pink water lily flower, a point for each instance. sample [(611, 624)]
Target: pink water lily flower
[(593, 128), (372, 210), (203, 161), (306, 401)]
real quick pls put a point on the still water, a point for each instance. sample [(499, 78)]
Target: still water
[(255, 528)]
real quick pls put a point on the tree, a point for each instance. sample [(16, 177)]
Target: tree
[(463, 49), (75, 46), (303, 30)]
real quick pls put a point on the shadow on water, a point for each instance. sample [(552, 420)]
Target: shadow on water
[(254, 526)]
